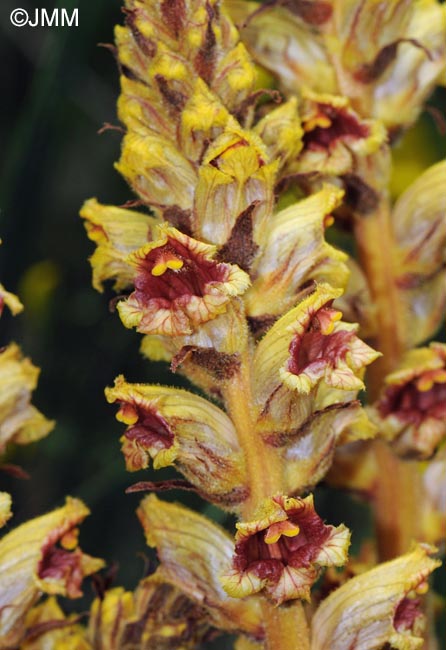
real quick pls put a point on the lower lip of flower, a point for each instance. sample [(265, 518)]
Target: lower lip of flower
[(341, 125)]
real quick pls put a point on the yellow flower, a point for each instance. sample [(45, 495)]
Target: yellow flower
[(281, 551), (41, 555), (282, 132), (386, 58), (307, 371), (20, 422), (47, 628), (156, 170), (194, 552), (116, 233), (178, 285), (173, 426), (295, 254), (235, 184), (419, 227), (156, 615), (5, 508), (411, 411), (377, 608), (311, 349), (335, 136)]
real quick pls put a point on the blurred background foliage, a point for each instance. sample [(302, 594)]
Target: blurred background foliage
[(58, 88)]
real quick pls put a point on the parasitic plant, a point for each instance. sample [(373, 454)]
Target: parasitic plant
[(312, 363)]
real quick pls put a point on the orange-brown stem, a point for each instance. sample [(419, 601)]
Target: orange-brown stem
[(398, 490), (264, 467), (286, 627), (376, 250)]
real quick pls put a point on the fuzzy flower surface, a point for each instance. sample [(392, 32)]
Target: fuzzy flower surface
[(281, 552), (41, 555), (312, 348), (178, 285), (377, 608), (411, 411), (172, 426)]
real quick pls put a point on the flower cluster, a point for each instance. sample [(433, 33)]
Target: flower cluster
[(230, 273)]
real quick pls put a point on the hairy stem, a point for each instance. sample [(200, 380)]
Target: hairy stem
[(264, 469), (398, 489), (376, 249), (286, 627)]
